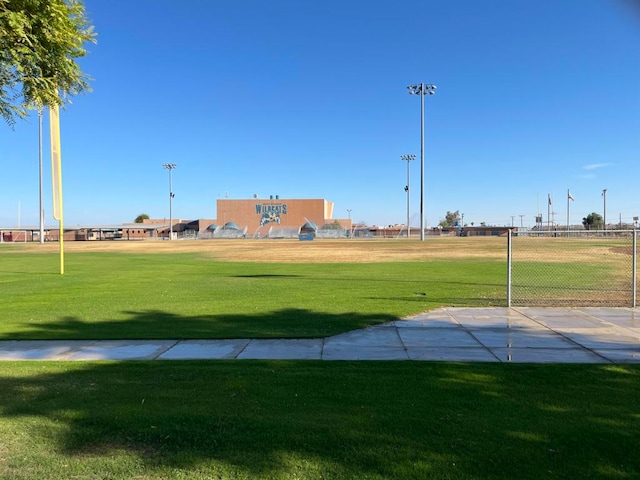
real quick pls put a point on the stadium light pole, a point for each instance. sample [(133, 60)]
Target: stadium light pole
[(422, 89), (170, 167), (41, 221), (407, 158)]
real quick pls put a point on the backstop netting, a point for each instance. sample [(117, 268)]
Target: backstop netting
[(573, 268)]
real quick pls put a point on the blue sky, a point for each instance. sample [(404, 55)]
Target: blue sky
[(307, 99)]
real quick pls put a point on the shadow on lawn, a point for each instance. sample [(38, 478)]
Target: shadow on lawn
[(331, 419), (158, 324)]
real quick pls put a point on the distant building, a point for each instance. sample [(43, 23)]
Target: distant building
[(260, 216), (249, 218)]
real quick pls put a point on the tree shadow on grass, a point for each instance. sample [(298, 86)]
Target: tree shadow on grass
[(470, 302), (263, 419), (268, 275), (158, 324)]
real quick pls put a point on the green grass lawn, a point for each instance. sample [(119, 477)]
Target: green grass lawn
[(318, 420), (572, 271), (279, 419), (118, 295), (575, 284)]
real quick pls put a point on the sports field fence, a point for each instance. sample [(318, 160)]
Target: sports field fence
[(572, 268)]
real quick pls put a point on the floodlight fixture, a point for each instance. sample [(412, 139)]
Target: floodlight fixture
[(422, 88)]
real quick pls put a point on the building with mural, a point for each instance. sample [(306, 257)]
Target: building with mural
[(251, 218), (260, 216)]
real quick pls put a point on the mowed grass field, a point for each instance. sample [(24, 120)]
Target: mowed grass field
[(288, 419), (238, 289), (318, 420)]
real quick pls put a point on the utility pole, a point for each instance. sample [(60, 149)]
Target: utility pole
[(604, 218), (170, 167), (40, 171)]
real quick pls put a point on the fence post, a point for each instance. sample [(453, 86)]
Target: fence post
[(509, 269), (634, 262)]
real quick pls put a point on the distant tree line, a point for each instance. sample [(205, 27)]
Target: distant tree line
[(593, 221)]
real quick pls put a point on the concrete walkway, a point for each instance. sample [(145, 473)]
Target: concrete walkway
[(541, 335)]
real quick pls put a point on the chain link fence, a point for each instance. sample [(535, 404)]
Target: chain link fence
[(572, 268)]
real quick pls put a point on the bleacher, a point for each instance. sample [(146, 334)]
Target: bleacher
[(332, 233), (283, 232), (230, 233)]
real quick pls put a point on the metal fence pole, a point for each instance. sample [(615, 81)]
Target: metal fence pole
[(634, 262), (509, 269)]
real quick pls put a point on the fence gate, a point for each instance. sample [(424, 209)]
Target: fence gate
[(572, 268)]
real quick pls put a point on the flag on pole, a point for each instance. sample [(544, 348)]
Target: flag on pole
[(56, 176), (550, 202), (56, 161), (569, 200)]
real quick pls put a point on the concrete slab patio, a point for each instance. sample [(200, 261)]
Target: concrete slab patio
[(523, 334)]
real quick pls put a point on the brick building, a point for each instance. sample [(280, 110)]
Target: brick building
[(259, 215)]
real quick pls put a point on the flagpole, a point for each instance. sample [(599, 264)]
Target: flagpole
[(568, 199), (548, 212)]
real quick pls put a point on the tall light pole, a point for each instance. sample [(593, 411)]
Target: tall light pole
[(40, 172), (350, 224), (407, 158), (604, 199), (170, 167), (422, 89)]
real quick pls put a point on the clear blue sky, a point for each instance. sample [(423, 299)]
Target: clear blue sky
[(308, 99)]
